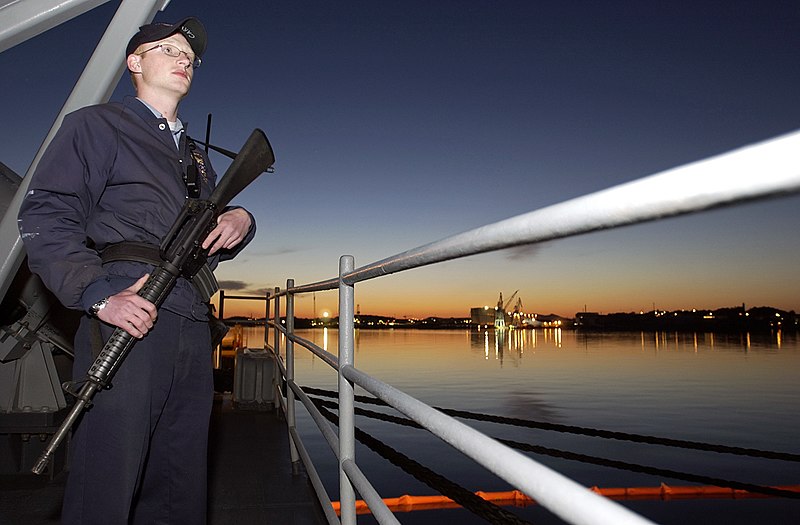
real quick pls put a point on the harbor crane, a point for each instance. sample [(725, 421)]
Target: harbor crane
[(504, 305), (500, 311)]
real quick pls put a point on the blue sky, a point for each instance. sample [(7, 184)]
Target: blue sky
[(399, 123)]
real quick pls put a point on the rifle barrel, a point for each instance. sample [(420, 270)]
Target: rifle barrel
[(84, 396)]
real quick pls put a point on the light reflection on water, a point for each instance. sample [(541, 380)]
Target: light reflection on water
[(733, 389)]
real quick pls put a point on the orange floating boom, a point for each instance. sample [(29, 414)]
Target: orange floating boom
[(408, 503)]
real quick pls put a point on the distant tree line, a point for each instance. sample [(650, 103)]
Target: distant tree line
[(735, 319)]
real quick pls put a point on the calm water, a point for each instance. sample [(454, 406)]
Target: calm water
[(725, 389)]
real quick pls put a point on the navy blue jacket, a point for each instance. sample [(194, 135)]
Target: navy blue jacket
[(112, 173)]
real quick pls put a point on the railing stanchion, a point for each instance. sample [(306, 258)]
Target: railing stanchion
[(221, 315), (276, 376), (276, 334), (346, 393), (290, 418), (267, 318)]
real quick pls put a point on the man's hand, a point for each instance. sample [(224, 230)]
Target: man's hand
[(130, 312), (232, 226)]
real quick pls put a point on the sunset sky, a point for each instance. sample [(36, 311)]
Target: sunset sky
[(396, 124)]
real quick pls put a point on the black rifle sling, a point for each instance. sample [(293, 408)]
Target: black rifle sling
[(204, 281)]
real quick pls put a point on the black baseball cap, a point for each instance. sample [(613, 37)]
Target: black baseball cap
[(190, 28)]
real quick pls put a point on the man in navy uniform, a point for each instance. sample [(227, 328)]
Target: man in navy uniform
[(117, 175)]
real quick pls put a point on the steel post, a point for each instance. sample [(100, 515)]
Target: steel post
[(266, 318), (221, 315), (276, 334), (346, 393), (290, 417)]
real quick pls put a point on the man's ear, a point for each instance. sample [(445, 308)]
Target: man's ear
[(134, 64)]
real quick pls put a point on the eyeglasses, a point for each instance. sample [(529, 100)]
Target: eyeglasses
[(174, 52)]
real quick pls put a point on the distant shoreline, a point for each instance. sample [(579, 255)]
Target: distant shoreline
[(686, 322)]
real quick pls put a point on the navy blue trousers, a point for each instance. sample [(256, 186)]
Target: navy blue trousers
[(139, 454)]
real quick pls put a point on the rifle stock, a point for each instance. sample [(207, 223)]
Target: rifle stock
[(255, 157)]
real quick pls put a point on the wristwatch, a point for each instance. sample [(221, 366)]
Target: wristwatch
[(99, 305)]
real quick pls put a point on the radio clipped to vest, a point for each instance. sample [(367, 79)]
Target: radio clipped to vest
[(196, 172)]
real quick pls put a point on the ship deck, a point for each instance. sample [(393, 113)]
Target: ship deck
[(251, 479)]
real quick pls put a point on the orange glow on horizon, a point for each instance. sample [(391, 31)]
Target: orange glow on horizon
[(329, 309)]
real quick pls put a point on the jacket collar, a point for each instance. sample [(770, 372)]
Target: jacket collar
[(157, 123)]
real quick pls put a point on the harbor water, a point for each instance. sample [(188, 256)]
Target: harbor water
[(727, 389)]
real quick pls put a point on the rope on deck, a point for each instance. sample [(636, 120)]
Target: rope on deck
[(467, 499), (622, 465), (586, 431), (644, 469)]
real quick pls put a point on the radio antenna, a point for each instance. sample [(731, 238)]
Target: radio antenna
[(208, 132)]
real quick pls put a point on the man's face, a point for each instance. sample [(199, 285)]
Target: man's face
[(160, 72)]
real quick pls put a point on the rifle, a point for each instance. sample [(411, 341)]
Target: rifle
[(183, 255)]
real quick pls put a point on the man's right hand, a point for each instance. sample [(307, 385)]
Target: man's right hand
[(129, 311)]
